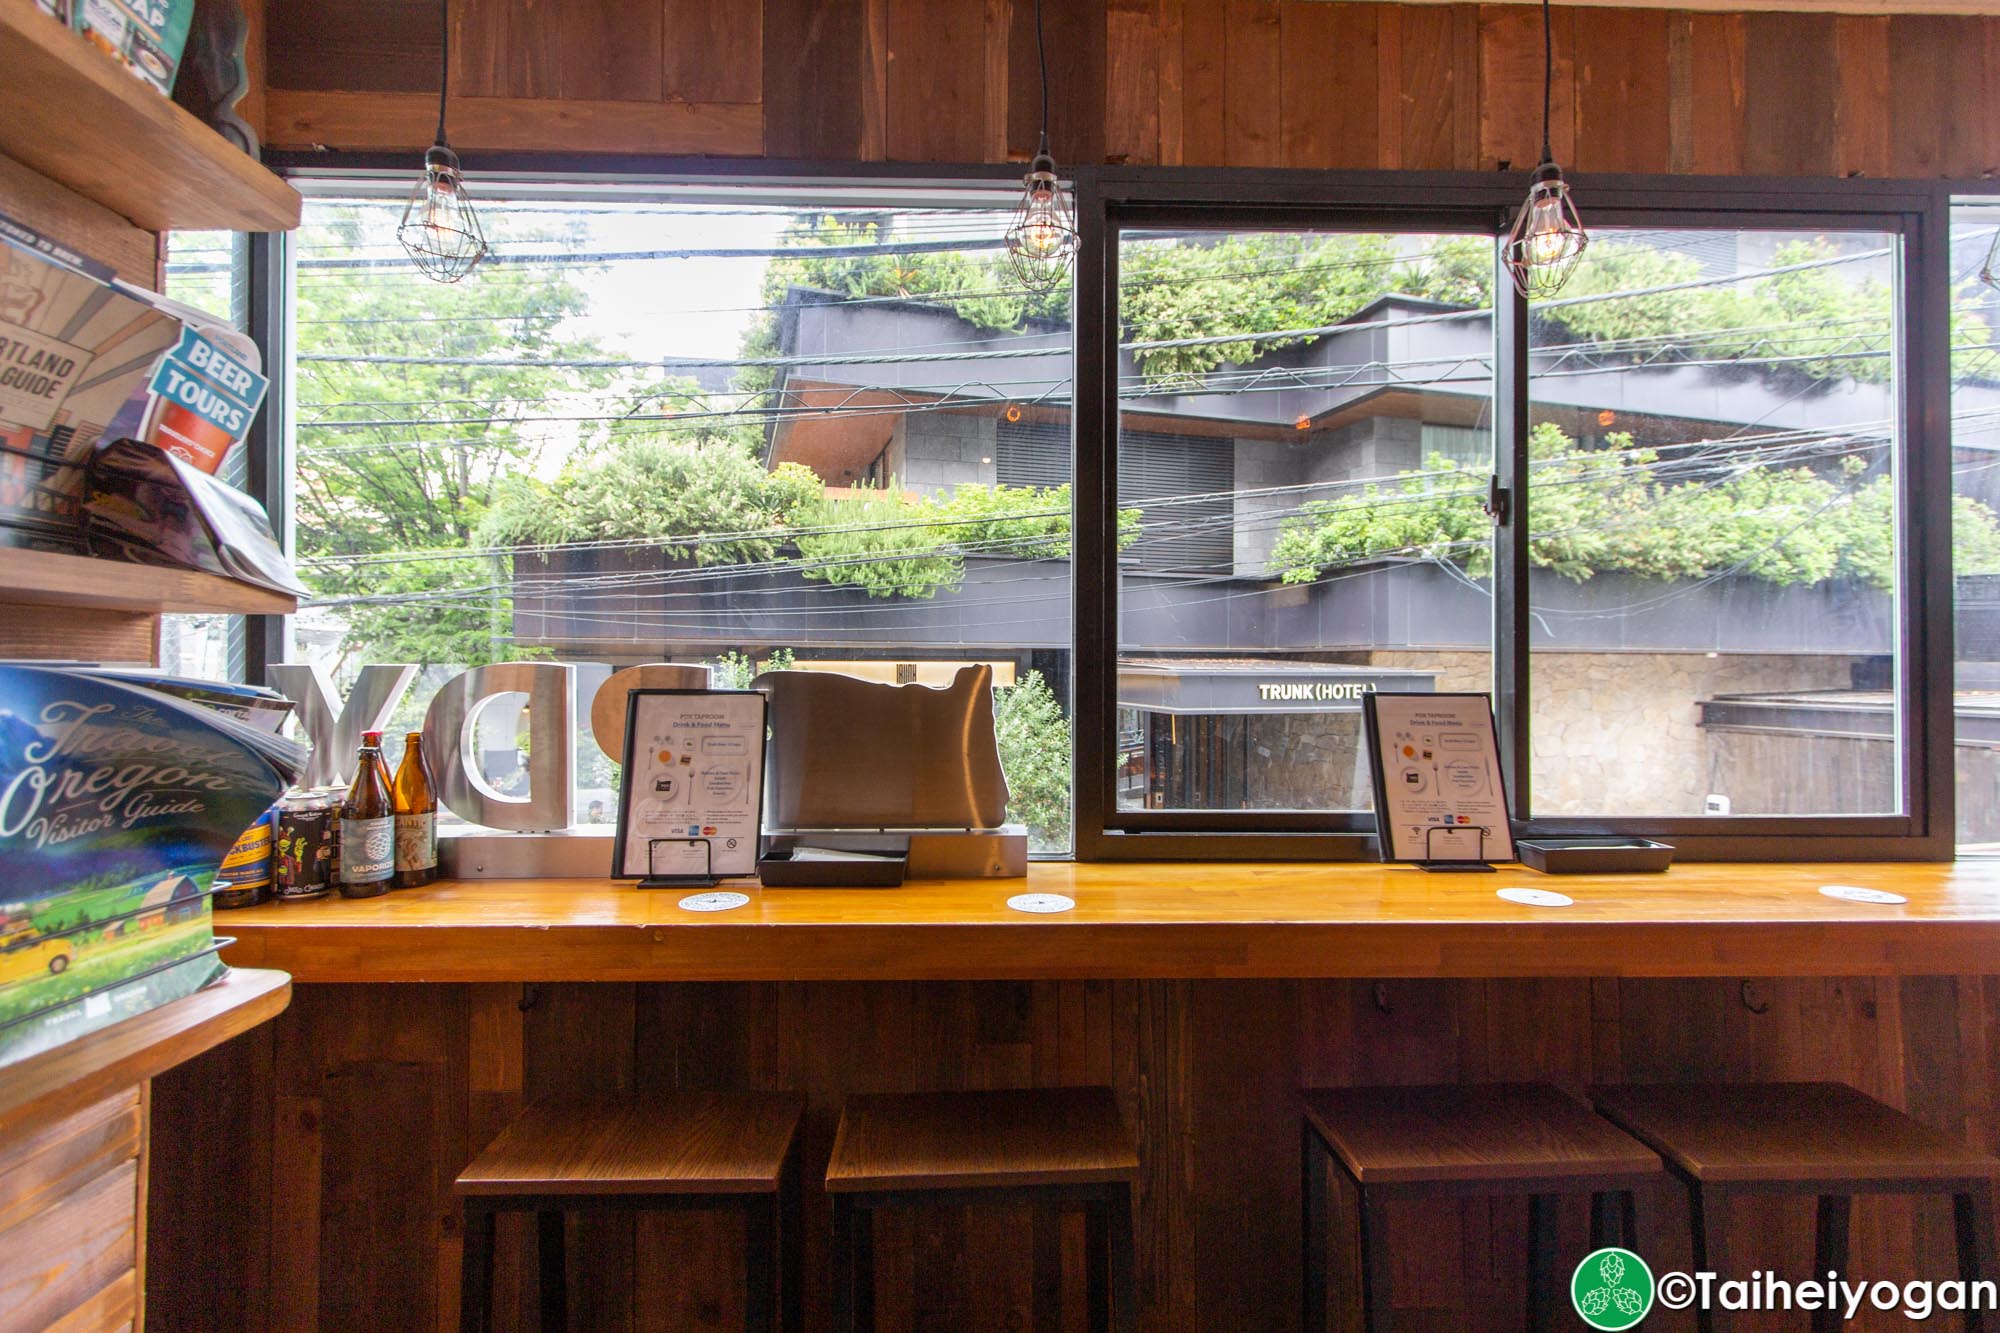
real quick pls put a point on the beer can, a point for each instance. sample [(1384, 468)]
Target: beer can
[(244, 878), (307, 843)]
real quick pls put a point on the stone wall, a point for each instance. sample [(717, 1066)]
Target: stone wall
[(947, 450), (1620, 733)]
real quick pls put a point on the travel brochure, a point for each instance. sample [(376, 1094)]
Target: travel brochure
[(117, 806), (86, 358)]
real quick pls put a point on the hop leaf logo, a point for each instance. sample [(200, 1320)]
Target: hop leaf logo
[(1612, 1289)]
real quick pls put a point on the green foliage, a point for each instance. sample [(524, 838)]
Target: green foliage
[(644, 488), (896, 545), (1034, 741), (880, 541), (1816, 322), (1215, 286), (735, 671), (1599, 510)]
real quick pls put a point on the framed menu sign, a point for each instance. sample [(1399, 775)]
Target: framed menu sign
[(1440, 797), (691, 792)]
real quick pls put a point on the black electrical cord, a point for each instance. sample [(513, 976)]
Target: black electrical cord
[(1548, 79), (1042, 59), (444, 65)]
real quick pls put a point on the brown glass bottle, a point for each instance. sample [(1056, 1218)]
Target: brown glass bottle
[(367, 825), (414, 799)]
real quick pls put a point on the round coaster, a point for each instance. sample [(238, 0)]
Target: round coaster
[(1537, 897), (1041, 902), (714, 902), (1855, 894)]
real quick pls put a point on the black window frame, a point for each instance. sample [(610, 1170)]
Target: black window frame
[(1115, 199), (1108, 197)]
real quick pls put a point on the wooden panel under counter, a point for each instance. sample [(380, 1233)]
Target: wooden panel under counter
[(1156, 921), (74, 1140)]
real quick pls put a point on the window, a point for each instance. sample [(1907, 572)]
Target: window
[(1712, 528), (1663, 517), (1975, 466), (1293, 407), (737, 428), (208, 270), (1676, 520)]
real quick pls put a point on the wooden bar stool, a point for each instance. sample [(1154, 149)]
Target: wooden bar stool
[(1065, 1147), (659, 1150), (1824, 1139), (1426, 1142)]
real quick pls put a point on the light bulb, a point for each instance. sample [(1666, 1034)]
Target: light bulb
[(1043, 237), (1547, 238), (439, 229)]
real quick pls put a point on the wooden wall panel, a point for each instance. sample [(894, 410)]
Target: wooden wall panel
[(812, 78), (1788, 94), (1329, 85), (33, 198), (383, 1092), (619, 50), (509, 48), (1250, 83), (1304, 83), (936, 86), (1622, 103), (1135, 51), (1510, 55), (358, 45)]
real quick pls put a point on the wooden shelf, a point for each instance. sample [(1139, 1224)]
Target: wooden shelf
[(48, 578), (69, 112), (98, 1064)]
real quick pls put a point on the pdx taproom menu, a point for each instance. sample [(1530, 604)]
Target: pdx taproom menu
[(1439, 794), (693, 778)]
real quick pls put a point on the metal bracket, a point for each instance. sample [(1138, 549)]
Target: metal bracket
[(1499, 502)]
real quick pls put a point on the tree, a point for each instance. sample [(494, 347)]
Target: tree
[(401, 458), (1033, 736)]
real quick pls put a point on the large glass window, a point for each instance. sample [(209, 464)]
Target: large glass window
[(1975, 447), (1304, 441), (725, 428), (1712, 527), (206, 270)]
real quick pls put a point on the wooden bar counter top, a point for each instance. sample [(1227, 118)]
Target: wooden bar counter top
[(1155, 921)]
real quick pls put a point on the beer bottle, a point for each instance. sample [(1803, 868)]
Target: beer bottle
[(367, 826), (415, 803)]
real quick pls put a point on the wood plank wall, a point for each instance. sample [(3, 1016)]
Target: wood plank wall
[(1249, 83), (302, 1174)]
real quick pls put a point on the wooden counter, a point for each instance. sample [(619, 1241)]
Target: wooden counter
[(1155, 921)]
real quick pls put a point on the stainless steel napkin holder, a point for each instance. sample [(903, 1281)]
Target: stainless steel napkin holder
[(896, 771)]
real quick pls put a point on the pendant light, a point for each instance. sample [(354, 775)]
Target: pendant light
[(439, 227), (1043, 239), (1548, 237)]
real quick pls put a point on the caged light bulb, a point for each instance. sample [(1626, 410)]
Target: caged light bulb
[(1548, 237), (1043, 238), (439, 229)]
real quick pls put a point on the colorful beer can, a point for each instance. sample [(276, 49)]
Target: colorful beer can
[(244, 878), (307, 842)]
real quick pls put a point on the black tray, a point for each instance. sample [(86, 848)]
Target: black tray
[(1593, 856), (778, 870)]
